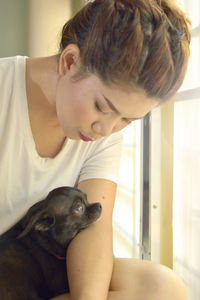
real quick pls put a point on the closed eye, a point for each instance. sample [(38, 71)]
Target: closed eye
[(127, 120), (98, 107)]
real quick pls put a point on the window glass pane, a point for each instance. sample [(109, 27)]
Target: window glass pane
[(186, 210), (192, 7), (192, 79), (126, 217)]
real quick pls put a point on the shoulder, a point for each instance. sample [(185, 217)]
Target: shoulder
[(9, 67), (101, 158), (8, 64), (108, 147), (98, 148), (12, 83), (104, 148), (107, 143), (111, 139)]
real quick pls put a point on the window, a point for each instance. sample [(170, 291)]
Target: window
[(126, 218), (173, 206), (186, 215)]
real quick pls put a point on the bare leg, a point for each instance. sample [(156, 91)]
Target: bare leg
[(134, 279)]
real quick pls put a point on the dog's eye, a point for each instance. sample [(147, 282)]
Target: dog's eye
[(78, 209)]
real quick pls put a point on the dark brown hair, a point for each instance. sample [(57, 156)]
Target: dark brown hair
[(141, 43)]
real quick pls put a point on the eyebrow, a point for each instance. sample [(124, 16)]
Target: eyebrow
[(116, 111), (112, 106)]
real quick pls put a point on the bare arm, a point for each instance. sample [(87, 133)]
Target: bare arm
[(90, 254)]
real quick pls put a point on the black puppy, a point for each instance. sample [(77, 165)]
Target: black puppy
[(32, 253)]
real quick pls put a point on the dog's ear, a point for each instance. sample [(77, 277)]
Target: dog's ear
[(45, 222), (41, 221)]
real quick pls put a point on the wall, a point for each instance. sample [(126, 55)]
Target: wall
[(45, 21), (13, 27), (33, 27)]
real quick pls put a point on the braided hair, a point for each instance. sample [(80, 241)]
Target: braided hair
[(137, 43)]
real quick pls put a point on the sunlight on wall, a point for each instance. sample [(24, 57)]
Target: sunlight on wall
[(45, 21)]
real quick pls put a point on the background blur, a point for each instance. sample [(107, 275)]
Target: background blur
[(157, 211), (32, 27)]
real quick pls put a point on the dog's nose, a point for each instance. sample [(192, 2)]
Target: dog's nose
[(99, 206)]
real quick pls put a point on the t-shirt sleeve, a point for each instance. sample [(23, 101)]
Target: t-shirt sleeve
[(104, 160)]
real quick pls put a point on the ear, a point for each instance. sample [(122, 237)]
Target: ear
[(45, 222), (41, 221), (69, 59)]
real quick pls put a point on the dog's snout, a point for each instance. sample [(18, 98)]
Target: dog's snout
[(99, 206), (94, 211), (96, 207)]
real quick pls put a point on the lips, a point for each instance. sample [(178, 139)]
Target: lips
[(85, 138)]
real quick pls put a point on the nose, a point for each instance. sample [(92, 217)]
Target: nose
[(105, 128), (99, 206)]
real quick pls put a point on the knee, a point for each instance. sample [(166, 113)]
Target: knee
[(140, 280), (163, 283)]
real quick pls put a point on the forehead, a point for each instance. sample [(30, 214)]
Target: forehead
[(129, 102), (62, 202)]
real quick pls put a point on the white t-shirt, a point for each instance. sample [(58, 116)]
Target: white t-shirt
[(25, 177)]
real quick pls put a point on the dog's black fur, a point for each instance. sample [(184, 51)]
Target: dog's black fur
[(32, 253)]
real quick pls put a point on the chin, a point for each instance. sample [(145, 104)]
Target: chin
[(71, 135)]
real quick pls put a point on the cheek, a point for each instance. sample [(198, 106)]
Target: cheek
[(84, 114), (81, 108), (74, 106)]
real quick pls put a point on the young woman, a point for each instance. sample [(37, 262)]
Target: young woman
[(60, 119)]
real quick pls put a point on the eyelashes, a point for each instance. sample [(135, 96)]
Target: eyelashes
[(99, 109), (97, 106), (127, 121)]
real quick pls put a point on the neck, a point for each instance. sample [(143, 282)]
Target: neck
[(52, 248), (58, 256), (41, 80)]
